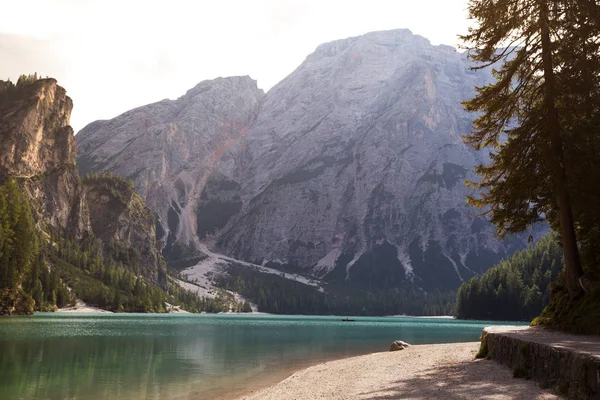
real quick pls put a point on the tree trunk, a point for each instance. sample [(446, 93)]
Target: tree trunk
[(563, 202)]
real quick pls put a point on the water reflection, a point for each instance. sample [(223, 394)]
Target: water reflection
[(158, 357)]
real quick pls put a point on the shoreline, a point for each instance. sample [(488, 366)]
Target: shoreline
[(432, 371), (421, 316), (81, 307), (264, 381)]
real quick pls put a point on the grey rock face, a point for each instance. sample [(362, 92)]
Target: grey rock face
[(119, 216), (355, 165), (351, 168), (170, 148), (35, 132)]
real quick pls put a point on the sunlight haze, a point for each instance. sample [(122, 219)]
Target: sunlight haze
[(112, 56)]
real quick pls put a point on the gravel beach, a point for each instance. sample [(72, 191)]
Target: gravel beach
[(440, 371)]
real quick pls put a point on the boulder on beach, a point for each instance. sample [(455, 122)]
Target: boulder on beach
[(398, 345)]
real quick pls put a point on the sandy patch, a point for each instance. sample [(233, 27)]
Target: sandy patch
[(440, 371), (81, 306), (173, 309)]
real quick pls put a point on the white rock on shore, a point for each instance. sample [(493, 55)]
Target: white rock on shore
[(398, 345)]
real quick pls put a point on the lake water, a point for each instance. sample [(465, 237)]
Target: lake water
[(184, 356)]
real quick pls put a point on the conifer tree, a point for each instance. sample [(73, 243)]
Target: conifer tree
[(18, 241), (528, 114)]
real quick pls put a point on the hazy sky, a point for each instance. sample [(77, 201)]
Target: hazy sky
[(114, 55)]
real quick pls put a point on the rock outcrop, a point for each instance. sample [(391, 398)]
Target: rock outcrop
[(37, 147), (350, 169), (119, 217), (36, 136), (398, 345)]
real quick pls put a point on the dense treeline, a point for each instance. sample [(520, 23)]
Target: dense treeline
[(23, 80), (12, 90), (516, 289), (113, 183), (539, 120), (18, 244), (25, 281), (278, 295), (40, 271), (27, 79), (111, 279)]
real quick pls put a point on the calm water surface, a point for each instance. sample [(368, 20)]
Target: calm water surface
[(181, 356)]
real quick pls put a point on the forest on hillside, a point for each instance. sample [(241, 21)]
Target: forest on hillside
[(278, 295), (516, 289), (42, 271)]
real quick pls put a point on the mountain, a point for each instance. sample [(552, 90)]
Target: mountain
[(350, 170), (38, 149), (355, 165), (170, 149), (62, 237)]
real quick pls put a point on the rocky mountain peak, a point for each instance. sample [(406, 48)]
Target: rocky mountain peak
[(354, 168), (391, 38), (230, 83), (358, 78), (351, 169), (35, 136)]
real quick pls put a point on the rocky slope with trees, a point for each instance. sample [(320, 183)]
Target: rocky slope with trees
[(62, 237), (350, 170)]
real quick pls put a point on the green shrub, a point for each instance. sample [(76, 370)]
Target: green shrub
[(578, 315)]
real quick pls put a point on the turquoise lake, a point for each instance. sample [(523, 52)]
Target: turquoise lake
[(187, 356)]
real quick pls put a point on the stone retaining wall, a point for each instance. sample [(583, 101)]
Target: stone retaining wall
[(570, 371)]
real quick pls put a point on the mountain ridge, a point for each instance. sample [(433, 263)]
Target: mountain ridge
[(349, 169), (77, 240), (206, 120)]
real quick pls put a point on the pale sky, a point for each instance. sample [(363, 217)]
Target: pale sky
[(114, 55)]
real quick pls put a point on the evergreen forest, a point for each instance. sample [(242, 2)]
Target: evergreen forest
[(42, 271), (517, 289), (539, 120), (278, 295)]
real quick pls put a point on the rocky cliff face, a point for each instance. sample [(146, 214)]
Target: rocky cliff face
[(36, 136), (171, 148), (119, 217), (350, 169), (354, 168), (37, 147)]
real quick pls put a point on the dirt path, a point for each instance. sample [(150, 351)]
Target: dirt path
[(589, 345)]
